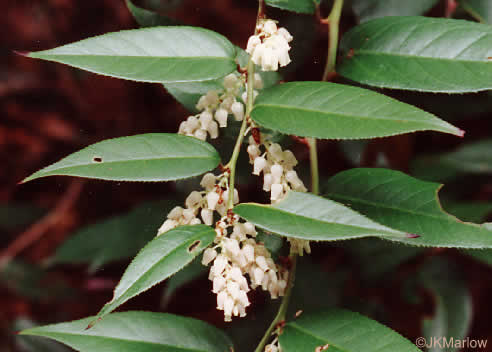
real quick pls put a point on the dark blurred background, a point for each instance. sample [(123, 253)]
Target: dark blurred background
[(49, 110)]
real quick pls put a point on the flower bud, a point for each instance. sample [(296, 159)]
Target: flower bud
[(193, 199), (219, 283), (205, 119), (277, 172), (269, 27), (230, 81), (277, 190), (253, 42), (208, 181), (188, 215), (212, 200), (175, 214), (238, 111), (167, 225), (207, 216), (213, 129), (258, 165), (261, 262), (221, 117), (267, 182), (195, 221), (253, 151), (285, 33), (208, 255), (200, 134), (193, 123)]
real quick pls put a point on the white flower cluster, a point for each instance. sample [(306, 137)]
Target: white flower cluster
[(274, 346), (239, 255), (214, 198), (270, 47), (279, 177), (277, 166), (216, 106)]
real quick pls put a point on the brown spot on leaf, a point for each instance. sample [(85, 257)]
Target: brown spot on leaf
[(194, 246), (97, 159)]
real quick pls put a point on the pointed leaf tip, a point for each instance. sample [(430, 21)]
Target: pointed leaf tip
[(21, 53)]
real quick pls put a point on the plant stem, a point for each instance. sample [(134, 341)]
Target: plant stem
[(282, 311), (333, 21), (313, 158), (231, 165), (237, 148)]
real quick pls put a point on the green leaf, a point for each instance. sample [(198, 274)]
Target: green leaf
[(484, 255), (479, 9), (34, 343), (137, 332), (159, 259), (468, 211), (419, 53), (336, 111), (376, 259), (31, 281), (407, 204), (453, 303), (144, 157), (186, 275), (298, 6), (146, 18), (188, 93), (473, 158), (117, 238), (370, 9), (14, 216), (309, 217), (157, 54), (343, 331)]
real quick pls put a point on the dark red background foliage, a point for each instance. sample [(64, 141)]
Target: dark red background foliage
[(49, 110)]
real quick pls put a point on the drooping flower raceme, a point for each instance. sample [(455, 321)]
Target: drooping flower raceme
[(270, 47), (279, 176), (241, 255), (216, 106)]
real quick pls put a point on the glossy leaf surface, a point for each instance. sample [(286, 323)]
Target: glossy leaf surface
[(407, 204), (117, 238), (370, 9), (306, 216), (341, 331), (147, 18), (157, 54), (137, 332), (144, 157), (419, 53), (336, 111), (299, 6), (158, 260)]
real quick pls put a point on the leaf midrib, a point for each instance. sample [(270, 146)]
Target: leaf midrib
[(338, 115), (309, 333), (63, 334), (225, 58), (127, 161), (383, 53), (335, 223), (444, 216), (113, 301)]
